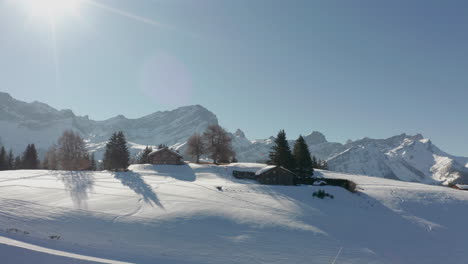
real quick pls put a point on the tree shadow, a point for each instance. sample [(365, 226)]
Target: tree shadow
[(135, 182), (78, 184), (179, 172)]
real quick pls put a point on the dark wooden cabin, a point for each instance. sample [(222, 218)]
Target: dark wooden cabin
[(165, 156), (275, 175)]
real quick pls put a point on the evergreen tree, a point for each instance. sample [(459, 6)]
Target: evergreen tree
[(314, 162), (302, 159), (93, 164), (10, 160), (116, 156), (18, 165), (143, 159), (30, 160), (280, 154), (3, 159)]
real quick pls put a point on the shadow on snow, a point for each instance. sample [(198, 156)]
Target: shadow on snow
[(135, 182), (78, 184)]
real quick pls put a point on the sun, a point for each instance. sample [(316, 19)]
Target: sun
[(52, 9)]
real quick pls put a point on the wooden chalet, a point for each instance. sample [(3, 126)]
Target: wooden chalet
[(275, 175), (165, 156)]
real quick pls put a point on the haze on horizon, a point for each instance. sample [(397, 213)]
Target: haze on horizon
[(375, 69)]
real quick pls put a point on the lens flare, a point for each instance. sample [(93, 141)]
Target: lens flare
[(52, 9)]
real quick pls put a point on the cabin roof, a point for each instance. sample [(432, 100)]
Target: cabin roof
[(270, 167), (164, 149), (462, 186)]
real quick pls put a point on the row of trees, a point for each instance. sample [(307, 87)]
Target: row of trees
[(215, 142), (28, 160), (69, 153), (299, 160)]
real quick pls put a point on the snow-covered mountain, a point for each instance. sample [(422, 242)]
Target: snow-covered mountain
[(22, 123), (403, 157)]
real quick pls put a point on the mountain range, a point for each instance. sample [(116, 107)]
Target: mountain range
[(402, 157)]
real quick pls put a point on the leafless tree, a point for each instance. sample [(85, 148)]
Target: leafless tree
[(195, 146), (71, 151), (218, 144), (51, 161)]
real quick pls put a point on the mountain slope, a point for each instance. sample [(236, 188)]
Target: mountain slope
[(403, 157), (23, 123)]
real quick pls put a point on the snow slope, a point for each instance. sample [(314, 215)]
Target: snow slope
[(177, 214)]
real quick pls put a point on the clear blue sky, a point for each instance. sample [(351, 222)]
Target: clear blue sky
[(347, 68)]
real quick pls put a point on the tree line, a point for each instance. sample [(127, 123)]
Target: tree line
[(69, 153), (214, 142), (8, 161), (299, 160)]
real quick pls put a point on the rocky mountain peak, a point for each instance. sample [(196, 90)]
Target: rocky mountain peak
[(239, 133), (315, 138)]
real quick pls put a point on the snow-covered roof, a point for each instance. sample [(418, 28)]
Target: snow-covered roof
[(462, 186), (267, 168), (163, 149)]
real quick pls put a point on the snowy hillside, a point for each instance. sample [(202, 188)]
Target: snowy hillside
[(404, 157), (176, 214)]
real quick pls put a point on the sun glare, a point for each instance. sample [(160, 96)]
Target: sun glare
[(52, 9)]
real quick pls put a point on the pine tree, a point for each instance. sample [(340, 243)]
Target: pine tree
[(143, 159), (123, 152), (30, 160), (3, 159), (93, 165), (18, 165), (302, 159), (116, 156), (315, 164), (10, 160), (280, 154)]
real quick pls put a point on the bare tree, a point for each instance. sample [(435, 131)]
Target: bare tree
[(72, 152), (218, 144), (51, 161), (195, 146)]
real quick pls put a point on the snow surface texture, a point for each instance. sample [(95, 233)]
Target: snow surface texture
[(403, 157), (201, 214)]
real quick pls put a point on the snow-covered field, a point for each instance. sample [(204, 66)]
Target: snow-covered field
[(176, 214)]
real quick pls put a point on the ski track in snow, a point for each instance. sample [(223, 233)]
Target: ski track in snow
[(162, 214), (19, 244)]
